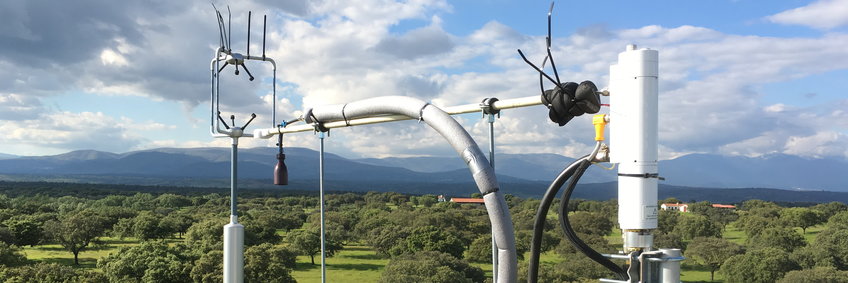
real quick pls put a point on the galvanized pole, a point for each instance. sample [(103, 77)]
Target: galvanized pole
[(234, 232), (233, 176), (321, 199), (492, 162)]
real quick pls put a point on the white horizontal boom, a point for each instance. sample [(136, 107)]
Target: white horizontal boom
[(452, 110)]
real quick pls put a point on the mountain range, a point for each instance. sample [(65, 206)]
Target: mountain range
[(524, 173)]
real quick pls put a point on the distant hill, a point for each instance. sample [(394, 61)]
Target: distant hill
[(768, 171), (7, 156), (695, 170), (526, 173)]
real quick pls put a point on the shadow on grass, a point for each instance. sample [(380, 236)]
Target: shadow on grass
[(306, 266), (117, 241), (85, 262), (365, 256), (357, 248), (355, 266), (49, 248)]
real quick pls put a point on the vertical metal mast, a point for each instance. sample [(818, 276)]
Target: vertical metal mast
[(234, 231), (233, 177), (489, 110), (492, 162), (321, 199)]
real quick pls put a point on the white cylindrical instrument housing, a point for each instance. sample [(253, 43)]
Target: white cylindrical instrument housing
[(233, 251), (633, 136)]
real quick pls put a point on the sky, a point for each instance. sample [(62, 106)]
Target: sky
[(737, 77)]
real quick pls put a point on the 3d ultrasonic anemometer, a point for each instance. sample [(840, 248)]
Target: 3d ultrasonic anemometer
[(633, 147), (233, 231)]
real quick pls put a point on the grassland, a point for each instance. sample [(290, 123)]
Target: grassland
[(356, 262)]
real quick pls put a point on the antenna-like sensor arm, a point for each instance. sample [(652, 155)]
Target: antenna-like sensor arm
[(566, 100), (537, 68), (222, 31), (548, 41), (229, 28), (248, 35)]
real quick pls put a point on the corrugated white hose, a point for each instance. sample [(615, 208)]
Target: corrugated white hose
[(460, 140)]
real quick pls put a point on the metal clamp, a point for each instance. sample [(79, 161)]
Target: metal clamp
[(347, 122), (644, 175), (488, 108), (421, 112), (318, 125)]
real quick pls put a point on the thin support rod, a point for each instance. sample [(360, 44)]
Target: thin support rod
[(274, 97), (492, 162), (321, 199), (233, 177), (452, 110)]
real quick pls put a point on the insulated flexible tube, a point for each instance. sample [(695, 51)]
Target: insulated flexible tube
[(541, 215), (461, 141)]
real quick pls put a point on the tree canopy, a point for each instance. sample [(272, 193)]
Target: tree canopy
[(430, 266), (758, 266), (712, 252), (77, 231)]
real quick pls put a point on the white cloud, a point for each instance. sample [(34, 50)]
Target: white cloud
[(821, 144), (14, 107), (339, 51), (708, 82), (822, 14), (110, 57)]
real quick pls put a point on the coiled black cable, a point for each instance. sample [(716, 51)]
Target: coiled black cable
[(541, 215), (569, 231), (570, 100)]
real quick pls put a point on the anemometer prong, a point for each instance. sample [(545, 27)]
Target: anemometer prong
[(246, 70), (223, 122), (252, 116), (248, 37), (229, 28)]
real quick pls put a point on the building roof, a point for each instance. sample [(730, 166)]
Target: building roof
[(723, 205), (676, 204), (467, 200)]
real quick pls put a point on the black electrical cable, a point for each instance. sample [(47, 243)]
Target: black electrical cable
[(541, 215), (572, 236), (570, 100)]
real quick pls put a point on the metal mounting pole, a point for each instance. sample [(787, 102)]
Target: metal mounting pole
[(233, 176), (321, 199), (234, 231), (492, 162)]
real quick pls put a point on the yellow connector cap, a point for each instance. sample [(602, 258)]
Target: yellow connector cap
[(600, 122)]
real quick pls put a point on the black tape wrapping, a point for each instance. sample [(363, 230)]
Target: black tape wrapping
[(571, 100)]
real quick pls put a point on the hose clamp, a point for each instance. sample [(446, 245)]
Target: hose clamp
[(421, 112)]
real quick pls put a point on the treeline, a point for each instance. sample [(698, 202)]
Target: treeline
[(96, 191), (774, 251), (178, 236)]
